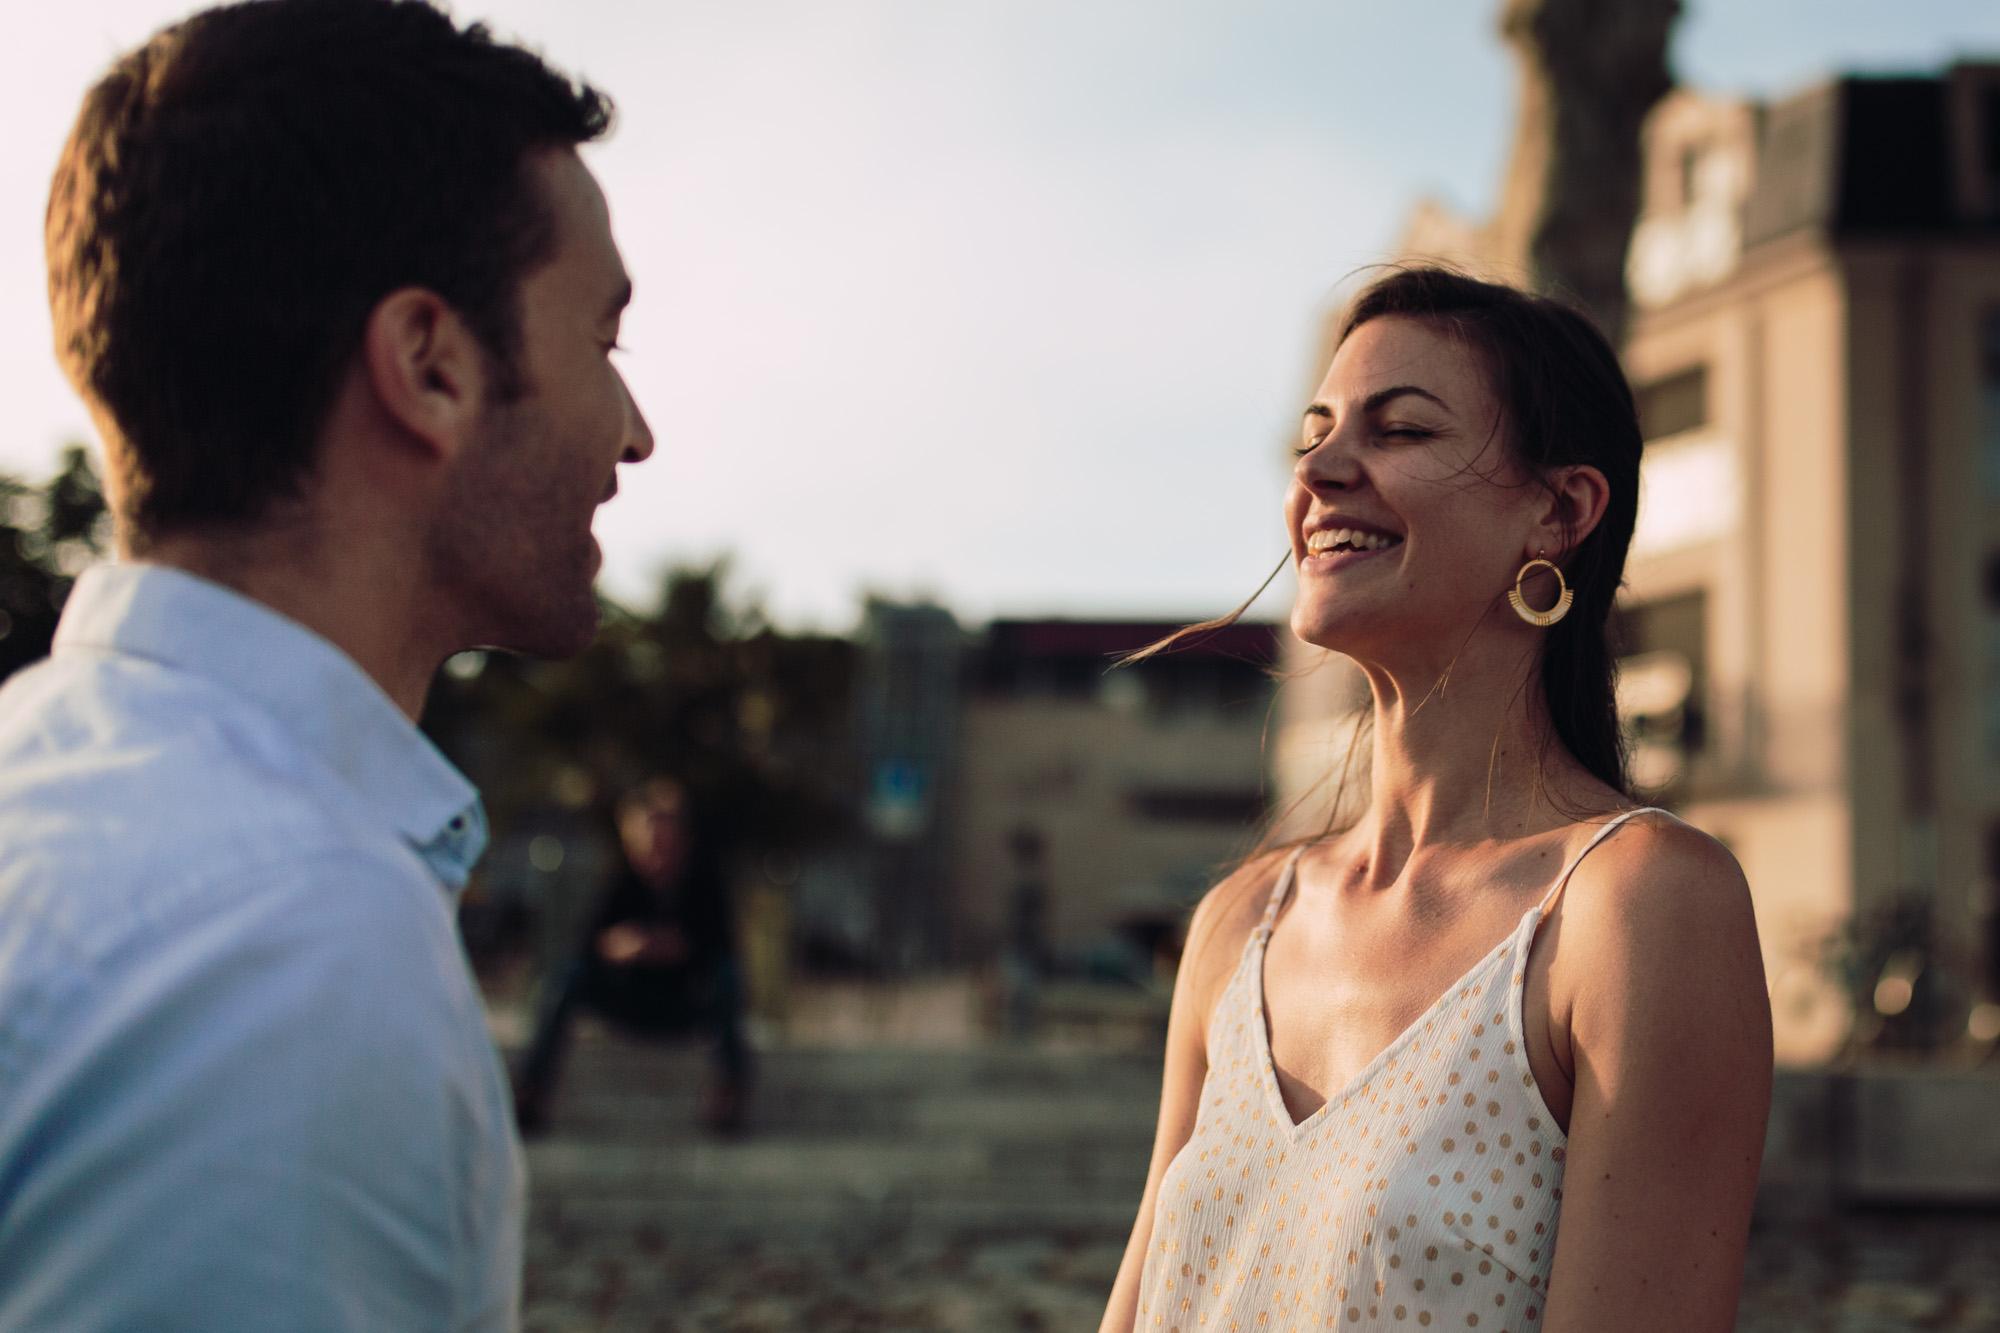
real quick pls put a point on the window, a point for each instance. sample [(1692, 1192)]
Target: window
[(1989, 403), (1662, 648), (1988, 908), (1989, 136), (1989, 699), (1225, 806), (1675, 404)]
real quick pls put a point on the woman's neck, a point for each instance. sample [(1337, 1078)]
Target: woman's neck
[(1468, 758)]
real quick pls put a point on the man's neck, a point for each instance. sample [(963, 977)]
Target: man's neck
[(365, 604)]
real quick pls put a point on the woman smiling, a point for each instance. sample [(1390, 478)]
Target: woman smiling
[(1494, 1052)]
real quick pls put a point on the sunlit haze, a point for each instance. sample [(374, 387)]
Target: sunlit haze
[(1010, 304)]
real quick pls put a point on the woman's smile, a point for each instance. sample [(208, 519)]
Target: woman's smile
[(1329, 562), (1331, 549)]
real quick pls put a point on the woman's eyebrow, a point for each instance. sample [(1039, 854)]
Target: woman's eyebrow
[(1380, 397)]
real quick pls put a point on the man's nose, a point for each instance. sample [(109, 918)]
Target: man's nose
[(638, 435)]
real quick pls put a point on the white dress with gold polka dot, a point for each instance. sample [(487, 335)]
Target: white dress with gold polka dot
[(1424, 1194)]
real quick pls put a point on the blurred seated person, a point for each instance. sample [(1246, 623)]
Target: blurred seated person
[(658, 960)]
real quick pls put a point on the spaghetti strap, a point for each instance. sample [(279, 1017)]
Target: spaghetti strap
[(1281, 890), (1555, 890)]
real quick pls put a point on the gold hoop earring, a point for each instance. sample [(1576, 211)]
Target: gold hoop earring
[(1528, 613)]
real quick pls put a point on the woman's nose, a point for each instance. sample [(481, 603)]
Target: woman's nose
[(1329, 465)]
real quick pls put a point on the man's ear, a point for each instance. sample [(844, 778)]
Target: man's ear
[(1573, 506), (426, 367)]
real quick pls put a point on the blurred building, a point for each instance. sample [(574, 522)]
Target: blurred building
[(1022, 800), (1811, 627), (1094, 806)]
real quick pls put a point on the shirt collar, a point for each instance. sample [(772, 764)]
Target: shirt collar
[(318, 694)]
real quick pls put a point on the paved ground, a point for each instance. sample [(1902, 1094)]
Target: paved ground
[(991, 1189)]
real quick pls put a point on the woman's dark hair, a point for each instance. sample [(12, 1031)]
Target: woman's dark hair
[(1564, 401), (241, 191)]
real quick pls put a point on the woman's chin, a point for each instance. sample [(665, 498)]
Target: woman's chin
[(1337, 626)]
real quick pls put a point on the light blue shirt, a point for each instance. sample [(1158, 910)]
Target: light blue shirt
[(245, 1079)]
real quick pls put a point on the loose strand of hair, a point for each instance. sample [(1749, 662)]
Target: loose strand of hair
[(1186, 632)]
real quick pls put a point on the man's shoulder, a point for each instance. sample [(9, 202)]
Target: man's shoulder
[(257, 1020), (131, 795), (123, 739), (164, 860)]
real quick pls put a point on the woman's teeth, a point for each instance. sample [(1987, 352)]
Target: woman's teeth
[(1348, 539)]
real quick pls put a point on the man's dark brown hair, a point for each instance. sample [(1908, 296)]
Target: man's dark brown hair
[(237, 196)]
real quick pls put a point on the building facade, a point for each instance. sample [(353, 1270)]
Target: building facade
[(1114, 797), (1020, 799)]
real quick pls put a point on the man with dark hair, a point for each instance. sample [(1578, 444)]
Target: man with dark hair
[(340, 296)]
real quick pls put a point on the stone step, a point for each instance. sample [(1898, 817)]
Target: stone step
[(628, 1114), (733, 1217), (617, 1090), (828, 1166), (846, 1143), (600, 1056)]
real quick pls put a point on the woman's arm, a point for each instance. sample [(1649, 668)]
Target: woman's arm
[(1221, 923), (1659, 989)]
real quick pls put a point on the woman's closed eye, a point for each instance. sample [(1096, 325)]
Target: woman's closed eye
[(1400, 433)]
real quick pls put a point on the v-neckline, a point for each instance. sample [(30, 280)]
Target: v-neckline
[(1275, 1092)]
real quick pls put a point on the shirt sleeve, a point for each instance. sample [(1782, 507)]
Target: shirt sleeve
[(277, 1108)]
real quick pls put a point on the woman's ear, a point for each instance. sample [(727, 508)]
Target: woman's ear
[(1574, 505)]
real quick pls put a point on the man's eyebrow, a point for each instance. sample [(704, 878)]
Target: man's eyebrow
[(1379, 398), (619, 300)]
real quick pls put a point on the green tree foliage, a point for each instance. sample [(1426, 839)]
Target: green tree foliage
[(754, 721), (48, 534)]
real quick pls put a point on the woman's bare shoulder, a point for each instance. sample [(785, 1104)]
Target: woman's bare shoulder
[(1654, 934), (1657, 893), (1656, 871), (1227, 913)]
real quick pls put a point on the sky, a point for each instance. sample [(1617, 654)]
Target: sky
[(1006, 303)]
